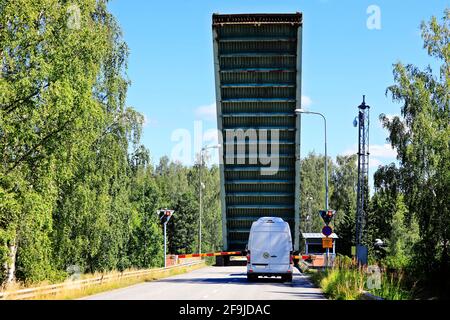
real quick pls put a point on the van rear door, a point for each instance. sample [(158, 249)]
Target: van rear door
[(279, 247), (259, 249)]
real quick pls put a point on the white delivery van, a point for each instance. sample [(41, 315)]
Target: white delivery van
[(269, 249)]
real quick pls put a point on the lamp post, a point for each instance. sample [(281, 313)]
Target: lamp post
[(299, 112), (201, 186), (308, 217)]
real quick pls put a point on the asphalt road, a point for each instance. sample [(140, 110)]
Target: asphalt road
[(216, 283)]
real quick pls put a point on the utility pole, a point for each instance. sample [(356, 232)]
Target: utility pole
[(363, 168), (200, 203)]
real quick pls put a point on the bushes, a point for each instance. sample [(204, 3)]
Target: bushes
[(343, 282), (346, 281), (392, 288)]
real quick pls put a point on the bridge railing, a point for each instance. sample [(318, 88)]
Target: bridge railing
[(55, 289)]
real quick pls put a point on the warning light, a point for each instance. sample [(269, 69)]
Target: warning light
[(165, 215), (327, 215)]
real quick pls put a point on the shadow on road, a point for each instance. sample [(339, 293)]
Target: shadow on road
[(234, 278), (302, 295)]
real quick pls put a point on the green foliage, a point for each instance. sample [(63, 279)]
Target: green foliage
[(179, 186), (383, 206), (343, 200), (342, 196), (347, 281), (145, 249), (344, 281), (183, 229), (420, 137), (313, 191), (403, 237), (211, 217), (392, 288), (76, 187)]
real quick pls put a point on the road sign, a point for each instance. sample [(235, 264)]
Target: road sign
[(327, 215), (327, 243), (165, 215), (327, 231)]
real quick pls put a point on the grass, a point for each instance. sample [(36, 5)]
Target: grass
[(347, 281), (391, 288), (75, 293)]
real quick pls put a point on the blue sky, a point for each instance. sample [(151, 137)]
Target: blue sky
[(171, 64)]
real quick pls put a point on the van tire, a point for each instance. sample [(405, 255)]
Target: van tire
[(286, 278), (251, 277)]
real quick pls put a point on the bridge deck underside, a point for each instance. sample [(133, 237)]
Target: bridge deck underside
[(258, 72)]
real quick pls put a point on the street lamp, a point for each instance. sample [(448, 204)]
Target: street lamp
[(201, 186), (308, 217), (300, 111)]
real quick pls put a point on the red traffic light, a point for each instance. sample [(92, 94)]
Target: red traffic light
[(327, 215), (165, 215)]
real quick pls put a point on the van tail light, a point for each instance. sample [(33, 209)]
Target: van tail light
[(291, 259), (248, 256)]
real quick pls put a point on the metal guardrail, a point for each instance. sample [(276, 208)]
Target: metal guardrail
[(54, 289)]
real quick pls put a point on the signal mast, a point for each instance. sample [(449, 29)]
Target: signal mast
[(362, 121)]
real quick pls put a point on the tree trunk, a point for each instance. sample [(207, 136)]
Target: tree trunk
[(10, 264), (444, 270)]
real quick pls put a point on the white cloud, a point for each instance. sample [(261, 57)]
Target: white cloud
[(382, 151), (374, 163), (350, 151), (380, 154), (306, 102), (376, 150), (207, 112)]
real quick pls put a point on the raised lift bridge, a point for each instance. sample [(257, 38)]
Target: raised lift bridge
[(257, 59)]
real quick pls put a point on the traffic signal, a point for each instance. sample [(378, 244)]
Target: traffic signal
[(327, 215), (165, 215)]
